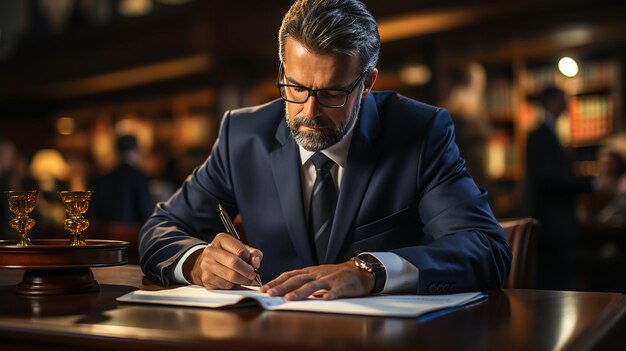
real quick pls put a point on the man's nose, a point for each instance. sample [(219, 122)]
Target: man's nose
[(311, 107)]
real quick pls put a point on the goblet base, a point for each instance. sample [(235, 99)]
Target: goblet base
[(77, 240), (23, 241), (59, 281)]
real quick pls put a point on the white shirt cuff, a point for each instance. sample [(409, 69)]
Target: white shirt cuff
[(402, 275), (179, 277)]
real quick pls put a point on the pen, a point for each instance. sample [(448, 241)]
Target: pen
[(230, 228)]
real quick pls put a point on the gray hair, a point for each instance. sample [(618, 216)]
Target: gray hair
[(332, 26)]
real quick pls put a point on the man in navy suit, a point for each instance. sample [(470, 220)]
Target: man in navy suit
[(407, 218)]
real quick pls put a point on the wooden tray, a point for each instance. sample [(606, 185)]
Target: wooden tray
[(54, 267)]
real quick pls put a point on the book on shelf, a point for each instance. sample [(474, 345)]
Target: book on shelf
[(391, 305), (501, 99), (500, 155), (591, 118)]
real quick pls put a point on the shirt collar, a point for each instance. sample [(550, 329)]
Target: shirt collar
[(338, 152)]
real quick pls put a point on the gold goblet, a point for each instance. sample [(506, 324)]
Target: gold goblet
[(75, 204), (22, 203)]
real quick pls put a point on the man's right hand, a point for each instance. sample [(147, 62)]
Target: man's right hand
[(224, 264)]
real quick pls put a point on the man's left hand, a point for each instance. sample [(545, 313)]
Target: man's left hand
[(336, 280)]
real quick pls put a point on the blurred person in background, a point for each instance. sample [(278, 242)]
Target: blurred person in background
[(465, 102), (605, 207), (122, 195), (550, 195), (614, 214), (155, 168)]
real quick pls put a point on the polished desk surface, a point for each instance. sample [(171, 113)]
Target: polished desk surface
[(508, 320)]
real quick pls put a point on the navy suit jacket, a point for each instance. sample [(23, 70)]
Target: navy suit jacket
[(405, 190)]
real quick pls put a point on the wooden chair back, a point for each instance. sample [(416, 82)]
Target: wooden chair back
[(521, 234)]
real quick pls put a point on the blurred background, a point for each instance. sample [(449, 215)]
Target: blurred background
[(77, 74)]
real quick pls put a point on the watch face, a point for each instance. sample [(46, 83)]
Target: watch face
[(370, 261)]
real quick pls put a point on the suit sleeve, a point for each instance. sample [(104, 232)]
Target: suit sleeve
[(467, 248), (190, 217)]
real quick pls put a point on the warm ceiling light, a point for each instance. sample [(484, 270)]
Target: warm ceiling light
[(126, 125), (173, 2), (568, 66), (134, 8), (66, 125), (125, 78), (415, 74)]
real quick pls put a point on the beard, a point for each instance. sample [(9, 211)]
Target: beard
[(324, 138)]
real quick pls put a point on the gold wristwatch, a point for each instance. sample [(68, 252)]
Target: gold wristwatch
[(372, 265)]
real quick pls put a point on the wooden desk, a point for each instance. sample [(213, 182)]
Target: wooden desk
[(507, 320)]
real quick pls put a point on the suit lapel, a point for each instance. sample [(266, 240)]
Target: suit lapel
[(285, 158), (362, 160)]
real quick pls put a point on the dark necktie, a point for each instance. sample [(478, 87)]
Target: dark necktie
[(323, 203)]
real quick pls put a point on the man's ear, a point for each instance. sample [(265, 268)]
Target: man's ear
[(369, 82)]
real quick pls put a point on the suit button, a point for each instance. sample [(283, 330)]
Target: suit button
[(432, 288)]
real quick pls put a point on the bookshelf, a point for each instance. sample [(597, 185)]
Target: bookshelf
[(592, 115), (591, 100), (502, 104), (178, 127)]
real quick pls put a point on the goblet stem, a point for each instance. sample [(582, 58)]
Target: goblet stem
[(22, 224), (76, 225)]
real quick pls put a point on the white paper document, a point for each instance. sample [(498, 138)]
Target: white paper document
[(378, 305)]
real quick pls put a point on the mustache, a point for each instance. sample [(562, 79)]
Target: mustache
[(310, 122)]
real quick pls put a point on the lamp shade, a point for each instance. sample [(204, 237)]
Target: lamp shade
[(49, 163)]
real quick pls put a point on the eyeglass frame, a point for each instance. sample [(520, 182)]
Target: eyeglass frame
[(313, 92)]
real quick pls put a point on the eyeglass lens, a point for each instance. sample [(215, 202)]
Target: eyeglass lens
[(326, 97)]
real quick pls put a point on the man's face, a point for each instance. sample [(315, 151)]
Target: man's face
[(312, 125)]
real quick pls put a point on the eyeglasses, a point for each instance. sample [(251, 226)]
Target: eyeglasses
[(297, 94)]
